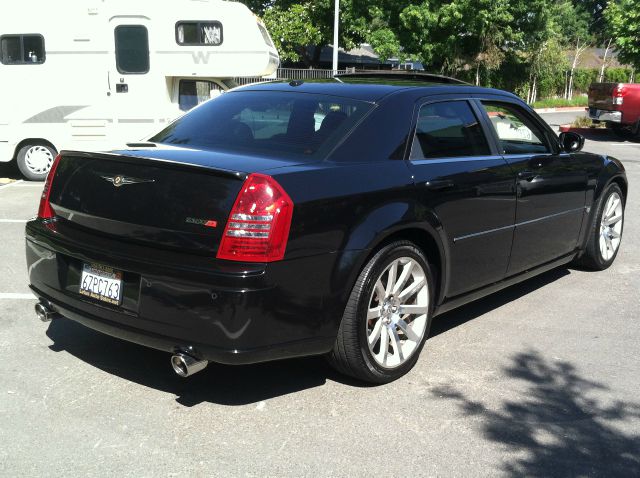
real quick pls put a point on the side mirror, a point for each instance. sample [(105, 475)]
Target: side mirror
[(571, 142)]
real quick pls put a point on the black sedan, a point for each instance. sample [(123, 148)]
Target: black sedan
[(331, 218)]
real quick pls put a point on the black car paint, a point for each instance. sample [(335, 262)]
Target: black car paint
[(365, 193)]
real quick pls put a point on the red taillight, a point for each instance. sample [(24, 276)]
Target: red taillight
[(258, 226), (619, 92), (45, 211)]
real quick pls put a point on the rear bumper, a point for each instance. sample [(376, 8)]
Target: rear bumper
[(234, 315), (203, 351), (604, 115)]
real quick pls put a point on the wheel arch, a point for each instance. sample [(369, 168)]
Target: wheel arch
[(624, 186), (33, 141), (425, 238), (612, 173)]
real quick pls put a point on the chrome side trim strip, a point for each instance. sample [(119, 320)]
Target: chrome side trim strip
[(482, 233), (551, 216), (524, 223)]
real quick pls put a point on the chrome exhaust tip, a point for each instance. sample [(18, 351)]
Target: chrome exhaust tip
[(45, 313), (186, 365)]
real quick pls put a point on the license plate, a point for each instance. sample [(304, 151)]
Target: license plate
[(101, 283)]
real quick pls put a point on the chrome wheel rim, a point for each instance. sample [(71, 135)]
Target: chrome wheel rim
[(611, 226), (397, 312), (38, 159)]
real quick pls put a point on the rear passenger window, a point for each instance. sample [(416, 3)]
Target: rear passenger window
[(22, 49), (517, 133), (276, 124), (132, 49), (448, 129)]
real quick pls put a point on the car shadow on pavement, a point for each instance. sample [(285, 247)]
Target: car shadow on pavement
[(556, 427), (221, 384), (609, 137), (241, 385), (461, 315)]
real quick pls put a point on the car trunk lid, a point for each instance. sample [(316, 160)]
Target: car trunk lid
[(178, 204)]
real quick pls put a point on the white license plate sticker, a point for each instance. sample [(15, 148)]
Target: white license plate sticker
[(101, 283)]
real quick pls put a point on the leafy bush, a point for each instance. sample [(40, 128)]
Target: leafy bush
[(617, 75), (583, 77)]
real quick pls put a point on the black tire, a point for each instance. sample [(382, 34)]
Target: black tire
[(30, 169), (592, 257), (351, 354), (622, 132)]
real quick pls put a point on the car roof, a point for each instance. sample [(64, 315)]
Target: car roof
[(372, 89)]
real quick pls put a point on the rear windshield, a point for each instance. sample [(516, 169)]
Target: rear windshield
[(267, 123)]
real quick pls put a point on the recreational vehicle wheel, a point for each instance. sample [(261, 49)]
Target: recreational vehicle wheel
[(35, 160)]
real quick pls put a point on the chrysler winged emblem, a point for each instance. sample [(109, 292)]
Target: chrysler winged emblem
[(120, 180)]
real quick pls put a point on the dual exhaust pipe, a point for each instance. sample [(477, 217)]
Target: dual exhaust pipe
[(182, 363), (45, 312), (185, 365)]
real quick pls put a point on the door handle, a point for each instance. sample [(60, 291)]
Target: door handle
[(439, 185), (526, 175)]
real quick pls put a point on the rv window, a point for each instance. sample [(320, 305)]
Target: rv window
[(22, 49), (265, 35), (132, 49), (194, 92), (199, 33)]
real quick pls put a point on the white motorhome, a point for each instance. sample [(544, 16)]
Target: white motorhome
[(92, 74)]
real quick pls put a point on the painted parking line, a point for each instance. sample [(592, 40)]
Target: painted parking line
[(14, 296), (19, 221), (10, 185)]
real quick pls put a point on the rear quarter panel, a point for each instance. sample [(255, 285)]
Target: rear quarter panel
[(601, 172)]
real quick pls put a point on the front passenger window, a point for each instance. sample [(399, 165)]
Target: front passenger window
[(448, 129), (517, 133)]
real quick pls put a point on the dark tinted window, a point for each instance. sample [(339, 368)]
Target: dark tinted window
[(132, 49), (22, 49), (448, 129), (194, 92), (517, 133), (199, 33), (267, 123)]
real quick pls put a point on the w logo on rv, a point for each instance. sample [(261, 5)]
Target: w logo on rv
[(200, 57)]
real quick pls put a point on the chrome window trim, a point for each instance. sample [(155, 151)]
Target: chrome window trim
[(457, 159)]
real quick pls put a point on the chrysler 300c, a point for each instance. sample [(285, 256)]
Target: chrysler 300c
[(332, 218)]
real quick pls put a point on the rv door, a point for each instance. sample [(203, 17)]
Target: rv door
[(134, 94)]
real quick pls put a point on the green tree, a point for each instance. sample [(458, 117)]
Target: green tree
[(301, 28), (572, 21), (292, 30), (482, 29), (623, 23)]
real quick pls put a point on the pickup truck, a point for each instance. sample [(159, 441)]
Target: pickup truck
[(618, 105)]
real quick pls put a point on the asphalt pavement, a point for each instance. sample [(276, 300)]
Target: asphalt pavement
[(542, 379)]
